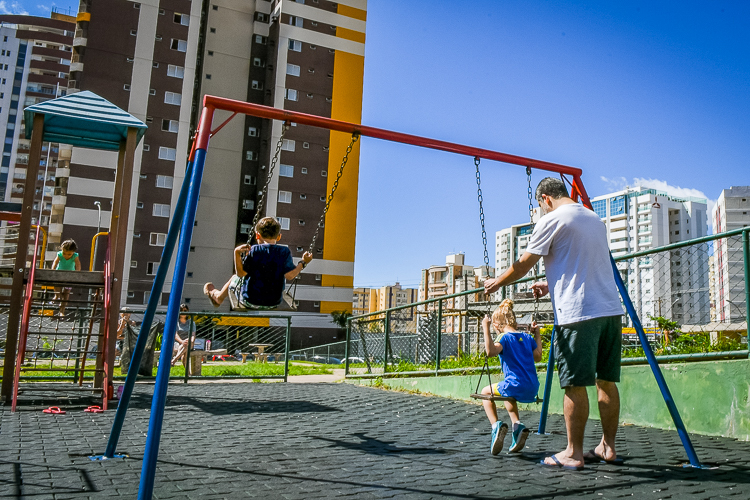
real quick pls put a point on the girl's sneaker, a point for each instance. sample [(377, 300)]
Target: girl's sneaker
[(498, 436), (519, 438)]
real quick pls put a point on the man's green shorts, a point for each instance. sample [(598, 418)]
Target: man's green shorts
[(589, 350)]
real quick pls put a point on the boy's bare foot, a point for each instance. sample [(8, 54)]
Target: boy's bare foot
[(209, 290)]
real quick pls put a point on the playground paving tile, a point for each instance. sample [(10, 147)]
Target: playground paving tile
[(292, 441)]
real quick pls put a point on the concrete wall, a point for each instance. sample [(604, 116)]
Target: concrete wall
[(712, 397)]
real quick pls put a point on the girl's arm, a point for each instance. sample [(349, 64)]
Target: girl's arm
[(492, 348), (78, 264), (538, 339), (55, 262)]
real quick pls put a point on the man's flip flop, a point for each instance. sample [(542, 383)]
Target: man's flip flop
[(593, 457), (207, 289), (560, 465), (54, 410)]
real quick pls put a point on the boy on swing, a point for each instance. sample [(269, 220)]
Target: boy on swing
[(517, 352), (261, 271)]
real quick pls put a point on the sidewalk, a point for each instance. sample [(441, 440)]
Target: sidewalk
[(302, 441)]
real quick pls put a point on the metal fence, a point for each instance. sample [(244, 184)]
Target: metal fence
[(691, 297), (223, 345)]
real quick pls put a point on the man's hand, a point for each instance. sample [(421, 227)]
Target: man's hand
[(491, 285), (307, 257), (540, 289)]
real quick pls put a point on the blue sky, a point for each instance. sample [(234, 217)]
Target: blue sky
[(652, 92)]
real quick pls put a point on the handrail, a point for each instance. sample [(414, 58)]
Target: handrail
[(92, 257), (44, 244)]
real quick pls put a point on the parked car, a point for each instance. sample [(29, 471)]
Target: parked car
[(325, 360), (353, 360)]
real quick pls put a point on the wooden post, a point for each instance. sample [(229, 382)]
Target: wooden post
[(118, 232), (24, 230)]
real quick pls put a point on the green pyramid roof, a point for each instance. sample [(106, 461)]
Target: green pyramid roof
[(83, 119)]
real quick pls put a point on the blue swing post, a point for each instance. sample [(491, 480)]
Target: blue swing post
[(151, 453), (666, 394), (148, 318), (547, 385)]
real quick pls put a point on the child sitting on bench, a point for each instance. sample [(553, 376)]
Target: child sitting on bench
[(260, 271), (517, 352)]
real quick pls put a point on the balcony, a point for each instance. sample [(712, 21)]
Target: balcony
[(59, 200), (76, 66)]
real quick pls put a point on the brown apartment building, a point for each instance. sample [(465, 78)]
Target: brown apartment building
[(156, 59)]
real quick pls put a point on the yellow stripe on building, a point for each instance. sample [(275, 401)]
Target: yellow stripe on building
[(352, 12), (346, 34), (329, 307), (342, 281)]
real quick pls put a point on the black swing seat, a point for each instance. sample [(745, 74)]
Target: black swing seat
[(492, 397)]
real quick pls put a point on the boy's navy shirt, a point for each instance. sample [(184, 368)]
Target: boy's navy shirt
[(266, 266)]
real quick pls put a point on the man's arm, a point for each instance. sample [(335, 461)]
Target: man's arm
[(515, 272)]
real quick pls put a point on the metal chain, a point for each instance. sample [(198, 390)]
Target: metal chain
[(355, 138), (535, 315), (480, 199), (269, 178)]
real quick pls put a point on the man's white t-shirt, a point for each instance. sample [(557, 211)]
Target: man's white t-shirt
[(573, 242)]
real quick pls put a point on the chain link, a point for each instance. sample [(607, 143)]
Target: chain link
[(355, 138), (535, 315), (269, 178), (480, 199)]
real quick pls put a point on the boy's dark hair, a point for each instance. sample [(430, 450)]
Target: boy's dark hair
[(554, 188), (69, 246), (268, 227)]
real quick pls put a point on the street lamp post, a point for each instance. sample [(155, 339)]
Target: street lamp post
[(96, 243)]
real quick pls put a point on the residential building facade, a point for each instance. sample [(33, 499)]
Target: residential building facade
[(157, 59), (732, 211), (35, 54)]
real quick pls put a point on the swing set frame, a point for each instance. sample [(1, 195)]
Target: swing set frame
[(182, 225)]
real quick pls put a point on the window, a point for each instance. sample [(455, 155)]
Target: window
[(250, 180), (260, 39), (251, 155), (172, 98), (134, 32), (210, 52), (295, 45), (286, 170), (288, 145), (318, 277), (291, 94), (170, 126), (133, 264), (302, 196), (303, 170), (178, 45), (322, 198), (301, 222), (125, 87), (161, 210), (306, 145), (137, 205), (151, 91), (316, 304), (256, 85), (155, 64), (164, 181), (285, 197), (175, 71), (129, 59), (158, 39), (248, 204), (208, 76), (310, 96), (183, 19), (323, 173), (246, 228), (284, 221), (292, 69), (258, 62), (151, 268), (157, 239), (252, 132), (147, 147), (295, 21), (260, 16), (167, 153)]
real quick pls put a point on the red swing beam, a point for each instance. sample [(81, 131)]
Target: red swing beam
[(213, 103)]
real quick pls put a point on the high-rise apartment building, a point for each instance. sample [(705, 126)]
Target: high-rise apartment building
[(674, 284), (361, 301), (510, 244), (157, 59), (35, 55), (732, 211)]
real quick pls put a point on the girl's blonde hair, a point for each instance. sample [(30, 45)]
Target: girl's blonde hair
[(504, 314)]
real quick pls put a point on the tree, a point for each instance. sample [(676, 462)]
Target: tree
[(340, 317), (667, 326)]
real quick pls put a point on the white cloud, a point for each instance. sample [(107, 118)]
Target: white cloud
[(12, 8), (614, 184)]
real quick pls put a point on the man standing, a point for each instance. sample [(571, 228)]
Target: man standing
[(573, 242)]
